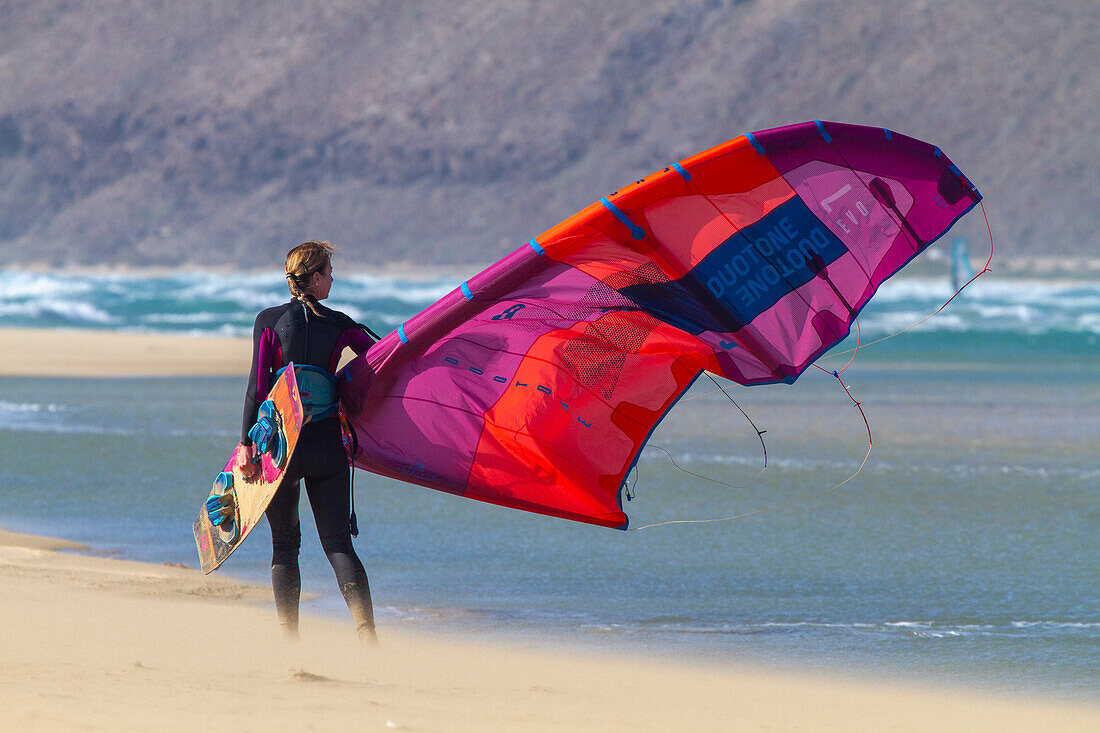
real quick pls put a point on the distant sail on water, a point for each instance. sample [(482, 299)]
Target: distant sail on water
[(961, 271)]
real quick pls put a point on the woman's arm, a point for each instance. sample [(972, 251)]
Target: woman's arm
[(266, 359), (354, 337), (358, 340)]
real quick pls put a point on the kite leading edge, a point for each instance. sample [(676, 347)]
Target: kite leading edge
[(536, 383)]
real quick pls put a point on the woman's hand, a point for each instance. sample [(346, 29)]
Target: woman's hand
[(250, 464)]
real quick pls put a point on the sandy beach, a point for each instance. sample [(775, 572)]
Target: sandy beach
[(98, 643), (93, 642), (85, 353)]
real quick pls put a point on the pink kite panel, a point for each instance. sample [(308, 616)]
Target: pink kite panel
[(536, 383)]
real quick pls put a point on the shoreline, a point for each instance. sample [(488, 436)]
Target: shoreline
[(40, 352), (105, 354), (142, 642)]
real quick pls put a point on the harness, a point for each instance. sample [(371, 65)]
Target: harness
[(317, 388)]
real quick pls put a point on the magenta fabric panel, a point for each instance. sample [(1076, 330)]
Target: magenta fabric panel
[(433, 399), (269, 359)]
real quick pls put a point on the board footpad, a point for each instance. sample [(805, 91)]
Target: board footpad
[(230, 526), (267, 433)]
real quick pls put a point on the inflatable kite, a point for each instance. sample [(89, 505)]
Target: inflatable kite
[(536, 383)]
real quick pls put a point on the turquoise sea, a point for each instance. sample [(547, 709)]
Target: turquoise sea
[(965, 551)]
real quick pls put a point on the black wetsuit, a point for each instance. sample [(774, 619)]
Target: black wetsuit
[(292, 333)]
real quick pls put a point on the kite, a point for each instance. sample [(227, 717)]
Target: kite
[(536, 383)]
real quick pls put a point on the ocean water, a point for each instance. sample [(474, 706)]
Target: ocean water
[(964, 552), (992, 314)]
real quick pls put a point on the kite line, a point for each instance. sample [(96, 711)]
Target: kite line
[(836, 375)]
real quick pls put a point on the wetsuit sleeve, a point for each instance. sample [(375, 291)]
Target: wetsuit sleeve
[(266, 358)]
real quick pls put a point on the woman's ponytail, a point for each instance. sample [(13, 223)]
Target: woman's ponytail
[(301, 264)]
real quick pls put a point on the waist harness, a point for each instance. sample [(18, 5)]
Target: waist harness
[(317, 388)]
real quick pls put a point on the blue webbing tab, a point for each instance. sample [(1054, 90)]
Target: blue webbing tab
[(755, 144), (535, 246), (821, 129), (466, 291), (889, 134), (401, 334), (680, 169), (936, 150), (635, 231)]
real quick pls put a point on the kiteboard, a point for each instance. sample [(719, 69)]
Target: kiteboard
[(239, 502)]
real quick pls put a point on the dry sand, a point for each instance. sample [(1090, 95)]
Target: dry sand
[(73, 353), (98, 643), (95, 643)]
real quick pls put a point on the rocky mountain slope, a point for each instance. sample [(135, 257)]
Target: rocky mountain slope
[(221, 132)]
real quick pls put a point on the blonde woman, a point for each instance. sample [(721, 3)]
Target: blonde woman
[(312, 336)]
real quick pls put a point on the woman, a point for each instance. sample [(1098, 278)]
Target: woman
[(312, 336)]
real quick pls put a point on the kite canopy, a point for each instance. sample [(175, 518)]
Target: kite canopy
[(536, 383)]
